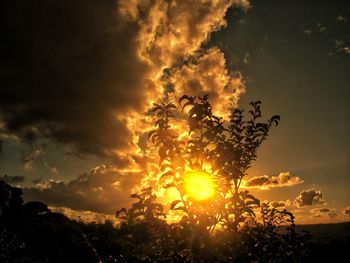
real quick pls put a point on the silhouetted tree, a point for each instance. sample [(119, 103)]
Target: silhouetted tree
[(228, 147)]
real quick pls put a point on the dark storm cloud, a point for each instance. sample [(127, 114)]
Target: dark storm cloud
[(76, 70), (12, 179), (309, 197), (103, 190), (67, 68)]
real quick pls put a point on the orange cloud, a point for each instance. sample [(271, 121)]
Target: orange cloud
[(266, 182), (171, 33), (85, 215), (318, 212), (309, 197), (346, 211), (281, 204), (206, 73)]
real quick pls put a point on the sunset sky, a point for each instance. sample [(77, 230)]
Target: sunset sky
[(77, 79)]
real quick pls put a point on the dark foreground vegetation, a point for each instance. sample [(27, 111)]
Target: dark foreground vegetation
[(220, 223), (30, 232)]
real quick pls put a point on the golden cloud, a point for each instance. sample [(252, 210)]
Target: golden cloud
[(281, 204), (85, 215), (95, 75), (318, 212), (346, 211), (266, 182), (309, 197), (169, 41)]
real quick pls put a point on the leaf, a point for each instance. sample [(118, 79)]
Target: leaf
[(249, 211), (168, 173), (169, 185), (174, 203), (164, 166), (147, 190), (255, 202), (135, 196), (137, 214), (151, 133), (187, 104), (181, 208), (276, 119), (184, 97), (170, 106), (156, 107), (123, 210)]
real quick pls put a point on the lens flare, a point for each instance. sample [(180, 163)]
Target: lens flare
[(199, 185)]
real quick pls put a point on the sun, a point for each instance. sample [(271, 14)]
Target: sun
[(199, 186)]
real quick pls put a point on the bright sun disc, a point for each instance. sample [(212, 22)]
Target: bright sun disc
[(199, 185)]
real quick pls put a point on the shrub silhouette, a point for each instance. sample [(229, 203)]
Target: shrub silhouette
[(31, 232), (228, 148)]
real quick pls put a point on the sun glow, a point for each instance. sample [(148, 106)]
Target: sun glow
[(199, 185)]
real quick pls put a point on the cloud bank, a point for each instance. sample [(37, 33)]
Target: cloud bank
[(103, 190)]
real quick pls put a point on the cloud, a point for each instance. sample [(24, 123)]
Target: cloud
[(12, 179), (29, 159), (281, 204), (341, 19), (341, 46), (68, 68), (266, 182), (77, 71), (307, 31), (309, 197), (318, 212), (85, 216), (346, 211), (322, 29), (52, 169), (37, 180), (335, 32), (104, 190), (246, 58), (206, 73)]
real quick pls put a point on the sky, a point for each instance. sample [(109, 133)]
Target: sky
[(77, 79)]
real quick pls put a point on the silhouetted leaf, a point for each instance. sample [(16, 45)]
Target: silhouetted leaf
[(174, 203), (169, 185)]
